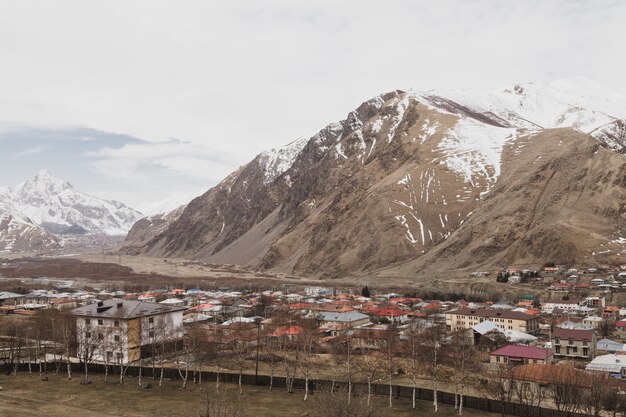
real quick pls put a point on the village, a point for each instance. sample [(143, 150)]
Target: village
[(534, 350)]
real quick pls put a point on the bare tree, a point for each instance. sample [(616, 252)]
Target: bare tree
[(11, 343), (498, 386), (462, 358), (388, 352), (328, 405), (566, 390), (411, 341), (270, 357), (431, 353), (65, 334), (240, 350), (219, 404), (90, 339), (594, 391), (529, 395), (371, 365), (306, 344)]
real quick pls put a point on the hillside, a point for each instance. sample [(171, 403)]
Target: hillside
[(407, 180)]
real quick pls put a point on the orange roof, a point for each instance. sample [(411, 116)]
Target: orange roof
[(288, 331), (388, 312)]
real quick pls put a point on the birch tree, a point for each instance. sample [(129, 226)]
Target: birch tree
[(431, 352)]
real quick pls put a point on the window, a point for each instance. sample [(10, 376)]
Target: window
[(585, 343), (571, 341), (88, 335), (557, 341), (557, 350), (100, 336), (109, 356), (116, 338), (116, 323), (87, 321), (151, 320), (151, 334), (497, 359), (100, 322), (585, 351)]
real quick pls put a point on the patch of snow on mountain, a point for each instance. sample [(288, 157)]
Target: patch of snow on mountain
[(472, 147), (276, 161), (577, 102)]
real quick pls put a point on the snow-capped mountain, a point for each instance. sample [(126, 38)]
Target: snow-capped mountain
[(18, 233), (49, 201), (409, 174)]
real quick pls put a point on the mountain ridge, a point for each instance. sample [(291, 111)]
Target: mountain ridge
[(408, 168)]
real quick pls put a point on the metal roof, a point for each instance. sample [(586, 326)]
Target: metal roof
[(123, 309)]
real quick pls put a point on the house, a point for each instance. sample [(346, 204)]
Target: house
[(569, 306), (465, 318), (620, 328), (593, 321), (123, 331), (520, 355), (391, 314), (347, 319), (613, 364), (610, 346), (486, 327), (574, 344), (10, 298)]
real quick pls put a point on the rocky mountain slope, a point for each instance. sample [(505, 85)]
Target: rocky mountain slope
[(19, 234), (407, 176), (40, 208)]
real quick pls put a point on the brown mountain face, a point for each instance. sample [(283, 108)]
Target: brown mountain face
[(561, 197), (404, 185)]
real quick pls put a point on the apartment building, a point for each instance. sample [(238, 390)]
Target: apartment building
[(465, 318), (121, 331)]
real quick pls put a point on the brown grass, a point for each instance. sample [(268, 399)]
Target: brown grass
[(26, 396)]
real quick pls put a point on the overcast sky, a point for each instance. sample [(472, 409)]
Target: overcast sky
[(137, 100)]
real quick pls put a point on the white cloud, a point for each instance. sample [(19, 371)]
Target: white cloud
[(32, 151), (196, 161)]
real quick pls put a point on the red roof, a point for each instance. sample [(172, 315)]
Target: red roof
[(572, 334), (620, 323), (522, 352)]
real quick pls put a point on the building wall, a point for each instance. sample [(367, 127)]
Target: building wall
[(113, 343), (456, 322), (576, 349)]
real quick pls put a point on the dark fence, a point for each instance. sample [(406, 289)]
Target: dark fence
[(399, 391)]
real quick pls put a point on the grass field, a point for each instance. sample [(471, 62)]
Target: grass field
[(25, 395)]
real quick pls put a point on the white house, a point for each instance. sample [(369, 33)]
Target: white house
[(121, 331)]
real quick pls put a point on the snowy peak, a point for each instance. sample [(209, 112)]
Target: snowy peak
[(276, 161), (46, 199), (577, 103)]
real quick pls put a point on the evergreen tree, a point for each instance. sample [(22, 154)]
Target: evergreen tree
[(365, 292)]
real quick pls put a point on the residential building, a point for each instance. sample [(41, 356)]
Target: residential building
[(613, 364), (123, 331), (574, 344), (465, 318), (348, 319), (512, 355)]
